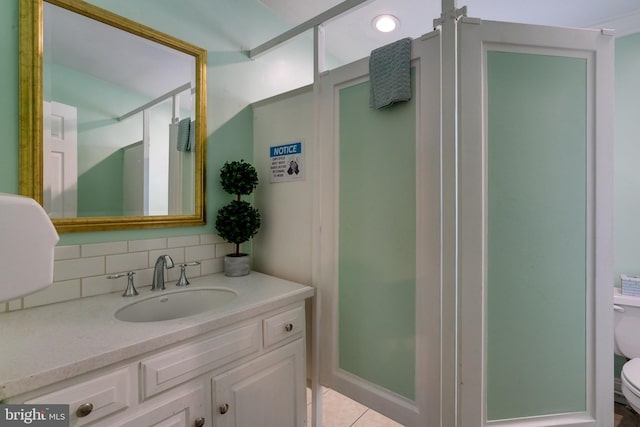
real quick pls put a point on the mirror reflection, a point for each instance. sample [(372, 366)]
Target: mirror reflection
[(112, 119), (117, 117)]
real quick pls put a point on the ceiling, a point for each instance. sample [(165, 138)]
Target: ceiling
[(113, 55), (351, 35)]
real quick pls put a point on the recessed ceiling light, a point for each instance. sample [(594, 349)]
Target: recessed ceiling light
[(385, 23)]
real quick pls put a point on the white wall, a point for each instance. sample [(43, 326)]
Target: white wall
[(282, 247)]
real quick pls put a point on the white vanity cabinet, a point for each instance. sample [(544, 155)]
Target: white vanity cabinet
[(250, 373)]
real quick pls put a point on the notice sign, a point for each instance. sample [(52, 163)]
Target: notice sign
[(287, 162)]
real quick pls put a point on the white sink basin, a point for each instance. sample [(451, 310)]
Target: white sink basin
[(169, 305)]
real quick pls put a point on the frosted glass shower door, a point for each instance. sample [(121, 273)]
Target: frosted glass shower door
[(535, 226), (380, 241)]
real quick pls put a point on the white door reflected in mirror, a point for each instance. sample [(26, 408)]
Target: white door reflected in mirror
[(60, 162)]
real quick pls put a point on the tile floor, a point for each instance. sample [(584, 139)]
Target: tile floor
[(624, 417), (340, 411)]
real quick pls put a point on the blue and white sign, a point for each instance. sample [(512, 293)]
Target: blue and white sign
[(287, 162)]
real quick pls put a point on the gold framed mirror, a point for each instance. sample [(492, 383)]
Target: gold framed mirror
[(112, 119)]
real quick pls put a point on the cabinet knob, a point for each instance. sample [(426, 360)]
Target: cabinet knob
[(288, 327), (84, 409), (199, 422), (224, 408)]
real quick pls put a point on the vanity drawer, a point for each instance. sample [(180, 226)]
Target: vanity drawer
[(173, 367), (283, 326), (98, 397)]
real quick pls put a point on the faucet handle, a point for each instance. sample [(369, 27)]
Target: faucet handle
[(131, 289), (183, 281)]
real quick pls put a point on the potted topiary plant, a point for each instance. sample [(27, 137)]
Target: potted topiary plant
[(238, 221)]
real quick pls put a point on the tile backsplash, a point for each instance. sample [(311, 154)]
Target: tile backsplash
[(81, 270)]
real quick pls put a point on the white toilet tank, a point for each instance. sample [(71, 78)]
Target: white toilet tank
[(626, 325)]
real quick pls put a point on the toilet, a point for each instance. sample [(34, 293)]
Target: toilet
[(627, 344)]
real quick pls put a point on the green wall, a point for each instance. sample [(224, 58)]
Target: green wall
[(377, 258), (536, 275), (9, 98), (229, 140), (100, 187), (626, 152)]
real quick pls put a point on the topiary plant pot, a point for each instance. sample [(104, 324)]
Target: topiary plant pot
[(238, 221), (237, 265)]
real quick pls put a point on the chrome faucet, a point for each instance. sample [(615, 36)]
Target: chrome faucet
[(163, 261)]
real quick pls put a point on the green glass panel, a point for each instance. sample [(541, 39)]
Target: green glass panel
[(536, 289), (626, 154), (377, 267)]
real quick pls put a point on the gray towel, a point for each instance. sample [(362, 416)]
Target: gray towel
[(183, 134), (390, 74), (192, 136)]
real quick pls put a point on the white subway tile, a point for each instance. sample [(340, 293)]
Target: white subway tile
[(78, 268), (198, 253), (211, 266), (175, 242), (58, 292), (176, 254), (223, 249), (67, 252), (99, 285), (209, 239), (15, 304), (195, 271), (108, 248), (172, 275), (147, 244), (144, 277), (126, 262)]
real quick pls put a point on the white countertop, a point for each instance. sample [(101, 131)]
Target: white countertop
[(44, 345)]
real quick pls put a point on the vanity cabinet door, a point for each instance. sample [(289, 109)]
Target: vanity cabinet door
[(268, 391), (181, 409)]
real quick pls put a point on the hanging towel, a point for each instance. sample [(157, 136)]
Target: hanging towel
[(183, 134), (192, 136), (390, 74)]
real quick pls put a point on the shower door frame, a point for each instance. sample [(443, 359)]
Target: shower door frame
[(596, 48), (426, 408)]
